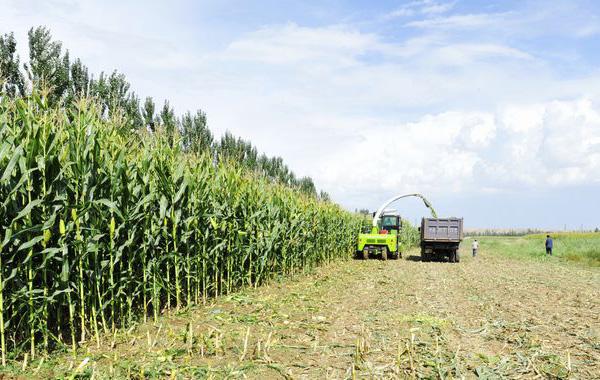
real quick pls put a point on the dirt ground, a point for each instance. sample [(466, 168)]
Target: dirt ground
[(488, 317)]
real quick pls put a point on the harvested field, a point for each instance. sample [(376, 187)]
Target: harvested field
[(489, 317)]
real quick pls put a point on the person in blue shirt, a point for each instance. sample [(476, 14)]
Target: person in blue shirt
[(549, 245)]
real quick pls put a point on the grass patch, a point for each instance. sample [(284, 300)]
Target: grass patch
[(583, 248)]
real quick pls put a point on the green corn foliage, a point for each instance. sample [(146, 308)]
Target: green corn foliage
[(409, 236), (99, 229)]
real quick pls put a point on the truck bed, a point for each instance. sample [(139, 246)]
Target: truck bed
[(442, 230)]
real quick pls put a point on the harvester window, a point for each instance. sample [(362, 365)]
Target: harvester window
[(389, 223)]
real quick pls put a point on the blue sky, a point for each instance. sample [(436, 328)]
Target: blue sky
[(491, 109)]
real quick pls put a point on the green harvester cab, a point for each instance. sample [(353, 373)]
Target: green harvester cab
[(382, 240)]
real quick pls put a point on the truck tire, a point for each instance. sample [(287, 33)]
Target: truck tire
[(365, 254), (456, 257), (384, 254)]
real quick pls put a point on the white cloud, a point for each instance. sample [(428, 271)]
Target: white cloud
[(425, 7), (533, 146), (291, 43), (588, 30), (400, 12), (460, 21), (532, 19), (436, 8)]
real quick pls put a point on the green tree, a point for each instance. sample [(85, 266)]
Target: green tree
[(195, 133), (324, 196), (11, 78), (168, 122), (277, 170), (307, 186), (112, 91), (62, 81), (47, 66), (148, 113), (132, 111), (80, 80), (237, 149)]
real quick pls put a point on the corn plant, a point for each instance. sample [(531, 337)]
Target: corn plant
[(101, 227)]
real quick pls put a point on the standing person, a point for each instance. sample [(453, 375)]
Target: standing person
[(475, 247), (549, 244)]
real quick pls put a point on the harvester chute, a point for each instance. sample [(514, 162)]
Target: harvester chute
[(391, 200)]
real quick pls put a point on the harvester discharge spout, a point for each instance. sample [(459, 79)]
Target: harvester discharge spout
[(391, 200)]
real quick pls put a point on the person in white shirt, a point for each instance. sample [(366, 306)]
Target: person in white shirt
[(475, 247)]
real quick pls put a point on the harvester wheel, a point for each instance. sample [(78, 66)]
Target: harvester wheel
[(365, 254), (384, 253)]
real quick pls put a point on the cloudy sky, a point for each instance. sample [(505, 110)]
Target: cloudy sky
[(491, 109)]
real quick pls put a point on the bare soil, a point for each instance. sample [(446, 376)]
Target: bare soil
[(487, 317)]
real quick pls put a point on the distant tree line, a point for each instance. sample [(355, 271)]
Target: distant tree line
[(63, 80), (505, 232), (515, 232)]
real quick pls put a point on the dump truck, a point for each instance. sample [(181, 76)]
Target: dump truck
[(381, 240), (441, 237)]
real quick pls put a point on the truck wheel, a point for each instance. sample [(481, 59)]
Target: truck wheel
[(384, 254), (365, 254), (456, 257)]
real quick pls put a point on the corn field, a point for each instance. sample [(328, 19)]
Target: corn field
[(100, 228)]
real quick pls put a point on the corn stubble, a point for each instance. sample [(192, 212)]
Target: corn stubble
[(101, 227)]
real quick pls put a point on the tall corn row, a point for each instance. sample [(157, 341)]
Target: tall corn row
[(99, 228)]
